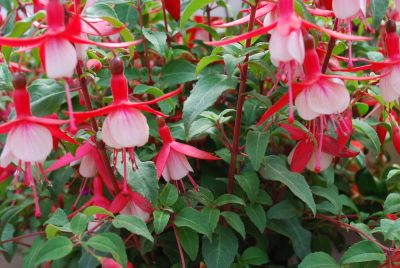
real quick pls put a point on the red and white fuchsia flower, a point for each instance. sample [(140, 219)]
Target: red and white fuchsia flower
[(125, 127), (348, 9), (30, 139), (171, 161)]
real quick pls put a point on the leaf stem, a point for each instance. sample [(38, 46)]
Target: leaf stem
[(239, 106)]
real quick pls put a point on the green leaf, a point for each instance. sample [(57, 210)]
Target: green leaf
[(254, 256), (318, 260), (256, 146), (93, 210), (177, 72), (257, 216), (47, 96), (109, 243), (168, 195), (59, 218), (158, 40), (204, 94), (79, 223), (191, 218), (133, 224), (331, 194), (190, 241), (364, 128), (392, 203), (378, 8), (291, 228), (191, 8), (29, 259), (284, 210), (250, 183), (235, 222), (275, 169), (205, 61), (144, 179), (363, 251), (54, 249), (228, 199), (221, 252), (161, 219), (212, 215)]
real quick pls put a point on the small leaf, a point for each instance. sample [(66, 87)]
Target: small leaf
[(59, 218), (109, 243), (93, 210), (158, 40), (205, 61), (79, 223), (133, 224), (250, 183), (392, 203), (256, 214), (212, 215), (235, 222), (318, 260), (221, 252), (191, 218), (364, 128), (168, 195), (190, 241), (256, 146), (228, 199), (254, 256), (54, 249), (161, 219), (363, 251), (177, 72), (191, 8)]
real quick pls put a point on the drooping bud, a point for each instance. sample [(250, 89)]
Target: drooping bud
[(117, 66), (19, 81), (119, 83), (311, 61), (21, 96), (94, 65), (392, 40)]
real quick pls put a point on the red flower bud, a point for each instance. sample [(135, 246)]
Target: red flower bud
[(94, 65), (396, 137), (110, 263)]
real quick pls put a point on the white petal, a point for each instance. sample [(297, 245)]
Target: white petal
[(6, 156), (345, 9), (278, 47), (30, 142), (81, 49), (133, 210), (178, 165), (268, 19), (328, 97), (303, 108), (87, 167), (397, 5), (395, 78), (325, 161), (296, 46), (129, 127), (107, 136), (388, 92), (363, 7), (60, 57)]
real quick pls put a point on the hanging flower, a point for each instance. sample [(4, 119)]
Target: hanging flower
[(344, 9), (30, 139), (171, 161), (125, 127), (57, 52)]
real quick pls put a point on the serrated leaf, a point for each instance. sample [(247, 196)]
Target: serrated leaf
[(133, 224)]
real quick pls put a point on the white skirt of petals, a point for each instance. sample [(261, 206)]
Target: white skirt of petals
[(81, 49), (87, 167), (325, 160), (286, 48), (125, 128), (345, 9), (177, 166), (134, 210), (323, 98), (27, 142), (61, 58), (389, 84)]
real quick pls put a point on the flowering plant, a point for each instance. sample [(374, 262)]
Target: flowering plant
[(169, 133)]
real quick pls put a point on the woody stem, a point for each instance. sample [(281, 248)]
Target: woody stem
[(100, 145), (331, 46), (239, 106)]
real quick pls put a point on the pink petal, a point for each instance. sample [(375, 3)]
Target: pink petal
[(177, 166), (345, 9), (107, 136), (133, 210), (278, 47), (325, 161), (129, 127), (61, 58), (30, 142), (296, 46), (69, 158), (388, 92), (6, 156), (303, 107), (192, 151), (87, 167)]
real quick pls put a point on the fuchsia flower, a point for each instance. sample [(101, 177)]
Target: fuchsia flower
[(57, 52), (90, 163), (171, 161), (344, 9), (30, 138), (125, 127)]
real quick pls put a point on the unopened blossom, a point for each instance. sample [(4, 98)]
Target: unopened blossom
[(125, 126), (30, 139), (171, 161)]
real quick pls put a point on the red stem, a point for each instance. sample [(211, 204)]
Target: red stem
[(166, 23), (331, 46), (21, 237), (178, 241), (146, 60), (239, 107)]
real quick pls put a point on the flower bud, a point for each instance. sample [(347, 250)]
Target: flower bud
[(110, 263), (19, 81), (390, 26), (94, 65), (117, 66)]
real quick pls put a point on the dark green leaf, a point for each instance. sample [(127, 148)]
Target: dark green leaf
[(235, 222), (177, 72), (109, 243), (133, 224), (189, 240), (161, 219), (54, 249), (191, 218), (250, 183), (256, 146), (256, 214), (254, 256), (318, 260), (168, 195), (363, 251)]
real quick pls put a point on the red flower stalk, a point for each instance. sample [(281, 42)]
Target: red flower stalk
[(30, 138), (59, 56), (125, 127), (171, 161)]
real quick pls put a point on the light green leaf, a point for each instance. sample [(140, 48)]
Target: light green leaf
[(191, 8), (168, 195), (205, 61), (256, 146), (364, 128), (318, 260), (161, 219), (133, 224), (54, 249), (79, 223), (363, 251)]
